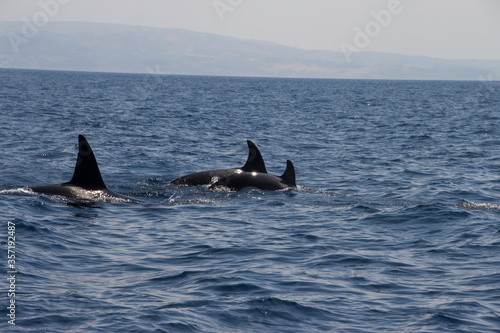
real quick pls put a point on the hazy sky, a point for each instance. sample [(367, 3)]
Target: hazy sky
[(455, 29)]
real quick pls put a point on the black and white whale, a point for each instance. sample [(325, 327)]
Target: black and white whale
[(87, 183), (263, 181), (255, 163)]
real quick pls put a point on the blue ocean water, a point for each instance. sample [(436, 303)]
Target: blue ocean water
[(394, 226)]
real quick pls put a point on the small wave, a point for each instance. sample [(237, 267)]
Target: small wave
[(478, 206), (288, 310), (237, 288), (313, 191), (177, 202), (448, 319), (85, 196), (221, 189), (17, 191)]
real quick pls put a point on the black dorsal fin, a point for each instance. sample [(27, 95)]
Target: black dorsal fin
[(87, 174), (255, 162), (289, 175)]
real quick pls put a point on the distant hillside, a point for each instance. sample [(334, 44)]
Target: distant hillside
[(135, 49)]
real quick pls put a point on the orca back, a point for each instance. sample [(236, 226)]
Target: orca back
[(254, 163)]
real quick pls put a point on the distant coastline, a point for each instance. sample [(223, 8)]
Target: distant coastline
[(228, 76), (96, 47)]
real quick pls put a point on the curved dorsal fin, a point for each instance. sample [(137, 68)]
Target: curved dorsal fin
[(87, 174), (255, 162), (289, 176)]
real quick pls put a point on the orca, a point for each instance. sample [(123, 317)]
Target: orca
[(255, 163), (263, 181), (87, 183)]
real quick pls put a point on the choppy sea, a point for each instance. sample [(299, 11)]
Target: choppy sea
[(394, 225)]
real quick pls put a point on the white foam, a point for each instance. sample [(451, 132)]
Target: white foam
[(478, 206)]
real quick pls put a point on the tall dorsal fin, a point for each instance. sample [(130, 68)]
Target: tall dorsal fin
[(289, 176), (87, 174), (255, 162)]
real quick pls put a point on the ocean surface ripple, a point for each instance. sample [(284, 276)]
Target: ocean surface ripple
[(394, 225)]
